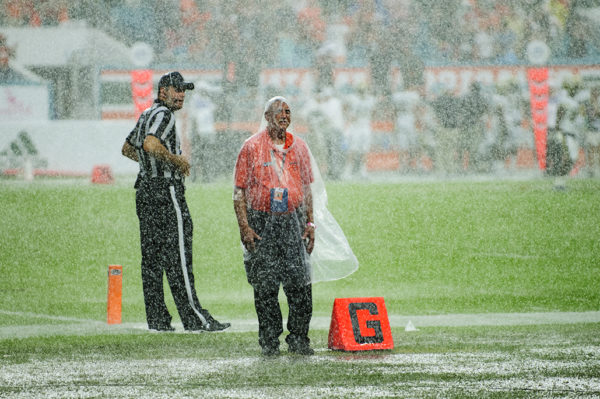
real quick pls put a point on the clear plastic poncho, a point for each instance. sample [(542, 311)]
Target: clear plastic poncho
[(332, 257)]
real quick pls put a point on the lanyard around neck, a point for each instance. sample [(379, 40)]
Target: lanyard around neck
[(279, 169)]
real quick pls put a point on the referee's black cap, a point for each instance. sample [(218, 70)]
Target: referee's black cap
[(176, 80)]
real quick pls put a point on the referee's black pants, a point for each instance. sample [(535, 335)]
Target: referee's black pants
[(166, 241)]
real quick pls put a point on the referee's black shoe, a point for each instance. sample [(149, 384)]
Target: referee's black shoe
[(211, 324), (214, 325)]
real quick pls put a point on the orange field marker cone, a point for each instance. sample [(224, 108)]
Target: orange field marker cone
[(115, 284), (360, 324)]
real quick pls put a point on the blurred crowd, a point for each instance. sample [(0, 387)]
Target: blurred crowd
[(354, 32), (488, 129), (477, 131)]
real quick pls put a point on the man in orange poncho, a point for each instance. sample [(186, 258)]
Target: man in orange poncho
[(273, 205)]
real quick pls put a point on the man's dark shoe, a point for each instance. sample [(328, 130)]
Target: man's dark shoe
[(299, 345), (270, 351), (303, 350), (162, 328)]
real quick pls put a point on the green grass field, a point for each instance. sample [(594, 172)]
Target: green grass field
[(428, 248)]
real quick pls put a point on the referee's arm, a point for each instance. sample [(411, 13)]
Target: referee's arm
[(129, 151), (154, 147)]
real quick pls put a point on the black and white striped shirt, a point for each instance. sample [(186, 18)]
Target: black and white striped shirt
[(159, 121)]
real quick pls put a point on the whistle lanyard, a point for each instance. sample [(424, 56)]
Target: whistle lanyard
[(279, 169)]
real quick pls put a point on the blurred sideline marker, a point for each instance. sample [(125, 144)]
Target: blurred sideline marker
[(141, 87), (115, 283), (360, 324), (102, 174), (539, 96)]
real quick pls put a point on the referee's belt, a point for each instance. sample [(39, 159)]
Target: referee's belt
[(160, 181)]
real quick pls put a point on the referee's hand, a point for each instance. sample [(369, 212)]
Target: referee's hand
[(183, 165)]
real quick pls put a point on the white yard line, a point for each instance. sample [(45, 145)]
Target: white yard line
[(78, 326), (47, 316)]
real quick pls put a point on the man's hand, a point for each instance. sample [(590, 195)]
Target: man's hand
[(309, 234), (248, 237)]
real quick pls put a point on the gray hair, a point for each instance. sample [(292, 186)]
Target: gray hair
[(276, 99)]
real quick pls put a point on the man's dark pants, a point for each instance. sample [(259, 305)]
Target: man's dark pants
[(280, 259)]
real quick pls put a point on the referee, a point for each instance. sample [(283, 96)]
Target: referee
[(165, 221)]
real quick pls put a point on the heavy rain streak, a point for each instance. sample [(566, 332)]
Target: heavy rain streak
[(420, 176)]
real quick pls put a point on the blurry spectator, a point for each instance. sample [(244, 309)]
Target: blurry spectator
[(359, 109), (406, 129), (403, 36), (426, 126), (506, 133), (380, 60), (484, 44), (505, 42), (592, 139), (136, 21), (50, 12), (473, 118), (370, 33), (558, 162), (335, 38), (412, 67), (325, 119), (187, 28), (18, 12), (96, 14), (576, 32), (441, 18), (572, 121), (537, 24), (557, 11), (496, 143), (311, 25), (446, 107), (324, 66), (362, 25), (205, 151)]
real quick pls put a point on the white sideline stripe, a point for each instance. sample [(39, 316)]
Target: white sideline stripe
[(47, 316), (503, 255), (77, 326), (496, 319)]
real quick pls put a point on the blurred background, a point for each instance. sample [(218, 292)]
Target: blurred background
[(377, 88)]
